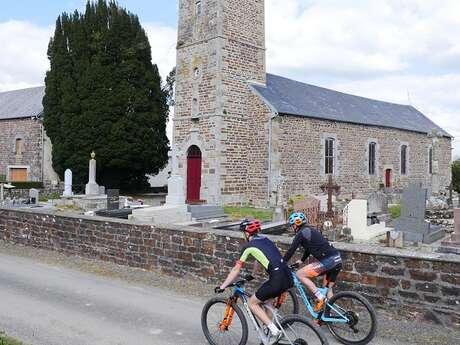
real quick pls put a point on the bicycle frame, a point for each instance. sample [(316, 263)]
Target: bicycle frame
[(306, 301), (239, 292)]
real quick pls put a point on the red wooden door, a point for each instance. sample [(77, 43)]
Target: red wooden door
[(388, 178), (193, 173)]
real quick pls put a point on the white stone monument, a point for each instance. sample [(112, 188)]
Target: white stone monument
[(175, 210), (92, 188), (68, 183), (355, 218), (176, 187)]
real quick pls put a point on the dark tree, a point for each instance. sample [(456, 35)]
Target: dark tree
[(456, 178), (104, 94)]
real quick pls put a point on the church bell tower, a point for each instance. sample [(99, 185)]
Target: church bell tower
[(220, 49)]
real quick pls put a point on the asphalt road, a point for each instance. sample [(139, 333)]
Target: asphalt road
[(48, 304)]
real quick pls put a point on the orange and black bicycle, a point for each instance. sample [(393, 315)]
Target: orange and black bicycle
[(223, 321)]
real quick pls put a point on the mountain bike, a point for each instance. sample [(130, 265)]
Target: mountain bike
[(349, 317), (223, 321)]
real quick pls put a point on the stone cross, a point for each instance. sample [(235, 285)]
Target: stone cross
[(68, 183), (330, 187)]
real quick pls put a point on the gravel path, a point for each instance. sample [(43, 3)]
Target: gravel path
[(49, 298)]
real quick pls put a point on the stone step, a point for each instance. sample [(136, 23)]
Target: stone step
[(206, 211)]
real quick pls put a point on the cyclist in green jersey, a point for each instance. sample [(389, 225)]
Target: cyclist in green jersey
[(280, 279)]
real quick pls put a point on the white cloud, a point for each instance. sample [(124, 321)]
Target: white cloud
[(163, 43), (438, 97), (379, 49), (23, 59)]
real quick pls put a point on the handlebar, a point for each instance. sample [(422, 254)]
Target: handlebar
[(238, 283)]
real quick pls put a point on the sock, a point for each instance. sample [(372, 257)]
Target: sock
[(319, 295), (273, 329)]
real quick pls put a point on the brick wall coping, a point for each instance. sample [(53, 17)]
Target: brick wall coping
[(342, 246)]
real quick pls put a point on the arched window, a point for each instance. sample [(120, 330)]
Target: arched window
[(372, 149), (403, 159), (329, 156), (430, 160), (18, 146)]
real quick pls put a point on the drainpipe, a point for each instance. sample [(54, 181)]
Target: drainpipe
[(270, 138)]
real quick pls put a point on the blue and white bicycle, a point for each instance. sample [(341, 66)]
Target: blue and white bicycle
[(350, 317)]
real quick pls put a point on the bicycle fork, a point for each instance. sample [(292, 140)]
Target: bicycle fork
[(228, 315)]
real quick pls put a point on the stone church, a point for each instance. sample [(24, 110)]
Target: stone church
[(25, 149), (243, 136)]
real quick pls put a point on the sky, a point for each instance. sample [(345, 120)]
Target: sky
[(403, 51)]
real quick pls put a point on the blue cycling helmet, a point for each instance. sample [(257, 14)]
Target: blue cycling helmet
[(297, 218)]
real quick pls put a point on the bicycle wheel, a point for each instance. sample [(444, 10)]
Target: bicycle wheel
[(287, 303), (301, 331), (362, 326), (223, 322)]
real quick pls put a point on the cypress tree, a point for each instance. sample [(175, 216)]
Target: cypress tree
[(104, 94)]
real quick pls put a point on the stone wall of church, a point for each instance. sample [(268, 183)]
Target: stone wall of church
[(301, 145), (29, 131), (259, 170)]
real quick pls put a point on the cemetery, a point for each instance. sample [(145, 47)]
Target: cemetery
[(374, 177), (421, 226)]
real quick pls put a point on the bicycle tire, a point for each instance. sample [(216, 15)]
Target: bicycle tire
[(239, 313), (316, 335), (373, 318), (292, 297)]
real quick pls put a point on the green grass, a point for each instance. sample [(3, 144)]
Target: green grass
[(5, 340), (395, 211), (51, 196), (236, 212)]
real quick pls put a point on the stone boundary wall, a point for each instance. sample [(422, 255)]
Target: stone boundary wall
[(416, 285)]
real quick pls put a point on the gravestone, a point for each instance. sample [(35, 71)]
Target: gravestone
[(452, 245), (310, 207), (412, 221), (101, 190), (377, 202), (68, 183), (355, 219), (33, 196), (113, 199)]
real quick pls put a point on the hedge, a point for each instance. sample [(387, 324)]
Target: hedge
[(27, 185)]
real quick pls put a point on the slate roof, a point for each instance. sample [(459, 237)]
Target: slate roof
[(290, 97), (21, 103)]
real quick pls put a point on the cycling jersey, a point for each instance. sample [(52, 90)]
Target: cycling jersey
[(313, 243), (265, 252)]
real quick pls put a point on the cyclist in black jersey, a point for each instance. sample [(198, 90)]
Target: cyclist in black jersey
[(329, 261), (280, 280)]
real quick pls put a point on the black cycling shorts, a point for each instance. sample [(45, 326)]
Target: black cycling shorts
[(279, 282)]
